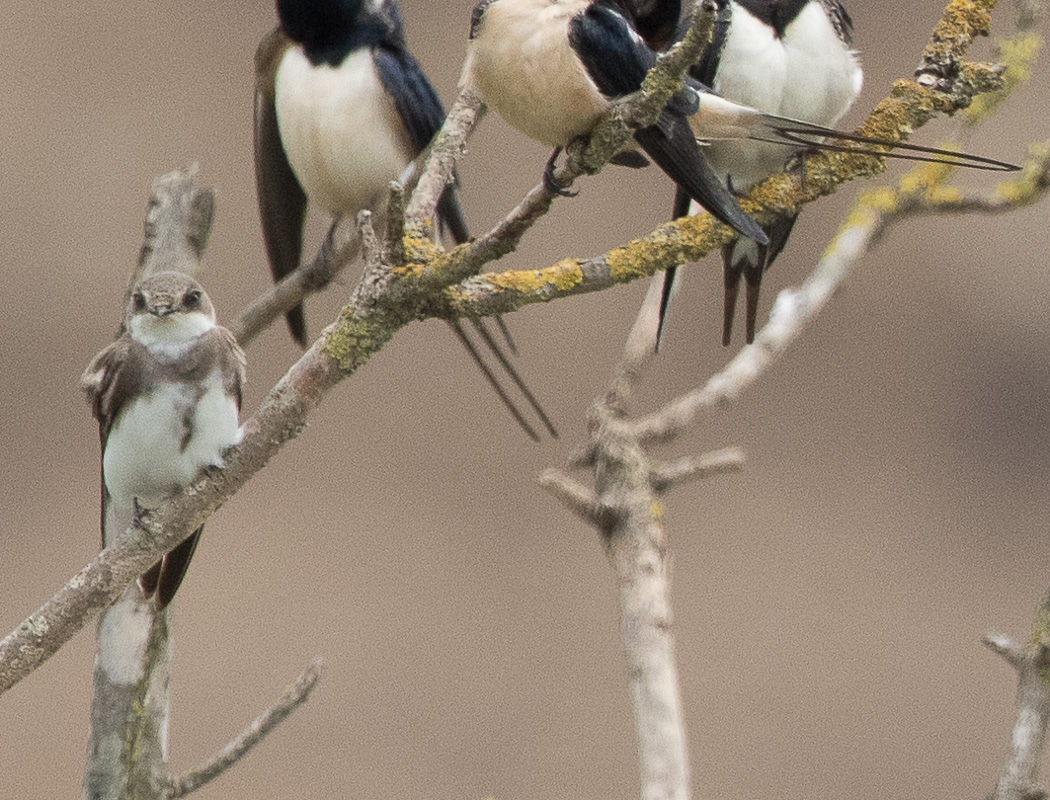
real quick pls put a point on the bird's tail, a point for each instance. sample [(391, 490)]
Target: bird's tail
[(719, 118)]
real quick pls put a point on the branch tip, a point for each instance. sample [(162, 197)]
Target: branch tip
[(297, 693), (573, 495), (1005, 647)]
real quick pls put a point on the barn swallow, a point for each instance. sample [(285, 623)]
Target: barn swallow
[(551, 68), (792, 63), (793, 58), (341, 109), (166, 395)]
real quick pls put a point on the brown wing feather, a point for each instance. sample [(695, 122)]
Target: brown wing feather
[(108, 381)]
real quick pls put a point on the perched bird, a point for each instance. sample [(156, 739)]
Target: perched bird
[(341, 109), (166, 395), (790, 63), (552, 67), (792, 58)]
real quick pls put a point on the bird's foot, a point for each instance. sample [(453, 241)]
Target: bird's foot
[(553, 186), (140, 514)]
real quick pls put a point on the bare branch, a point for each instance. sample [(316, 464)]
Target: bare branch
[(720, 462), (178, 222), (339, 249), (395, 224), (637, 351), (447, 147), (576, 497), (1019, 777), (794, 308), (921, 191), (1004, 646), (293, 697)]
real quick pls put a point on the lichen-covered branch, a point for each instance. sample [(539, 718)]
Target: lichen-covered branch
[(391, 298), (910, 105), (609, 137)]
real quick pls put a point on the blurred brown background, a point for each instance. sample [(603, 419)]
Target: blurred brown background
[(829, 600)]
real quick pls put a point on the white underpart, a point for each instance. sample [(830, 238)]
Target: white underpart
[(521, 62), (169, 336), (145, 457), (336, 125), (809, 74)]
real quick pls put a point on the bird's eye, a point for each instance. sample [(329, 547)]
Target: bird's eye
[(138, 302), (192, 298)]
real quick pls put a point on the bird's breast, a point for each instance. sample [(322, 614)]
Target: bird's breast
[(809, 73), (160, 440), (523, 65), (340, 130)]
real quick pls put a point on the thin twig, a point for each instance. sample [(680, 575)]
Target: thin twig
[(293, 697), (576, 497), (1006, 647), (918, 193), (466, 112), (339, 249), (690, 468)]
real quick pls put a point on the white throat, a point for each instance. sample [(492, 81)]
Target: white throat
[(170, 336)]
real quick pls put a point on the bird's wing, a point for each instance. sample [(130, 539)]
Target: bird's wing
[(422, 116), (617, 59), (706, 68), (655, 20), (840, 19), (110, 379), (282, 201)]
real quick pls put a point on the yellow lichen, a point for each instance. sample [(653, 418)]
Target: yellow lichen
[(1017, 54), (640, 258), (925, 177), (1028, 186), (420, 247), (883, 200), (352, 340), (778, 193), (562, 276)]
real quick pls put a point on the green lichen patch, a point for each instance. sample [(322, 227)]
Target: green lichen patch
[(354, 338)]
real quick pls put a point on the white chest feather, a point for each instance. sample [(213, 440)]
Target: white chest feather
[(521, 62), (169, 337), (161, 440), (809, 74), (340, 130)]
